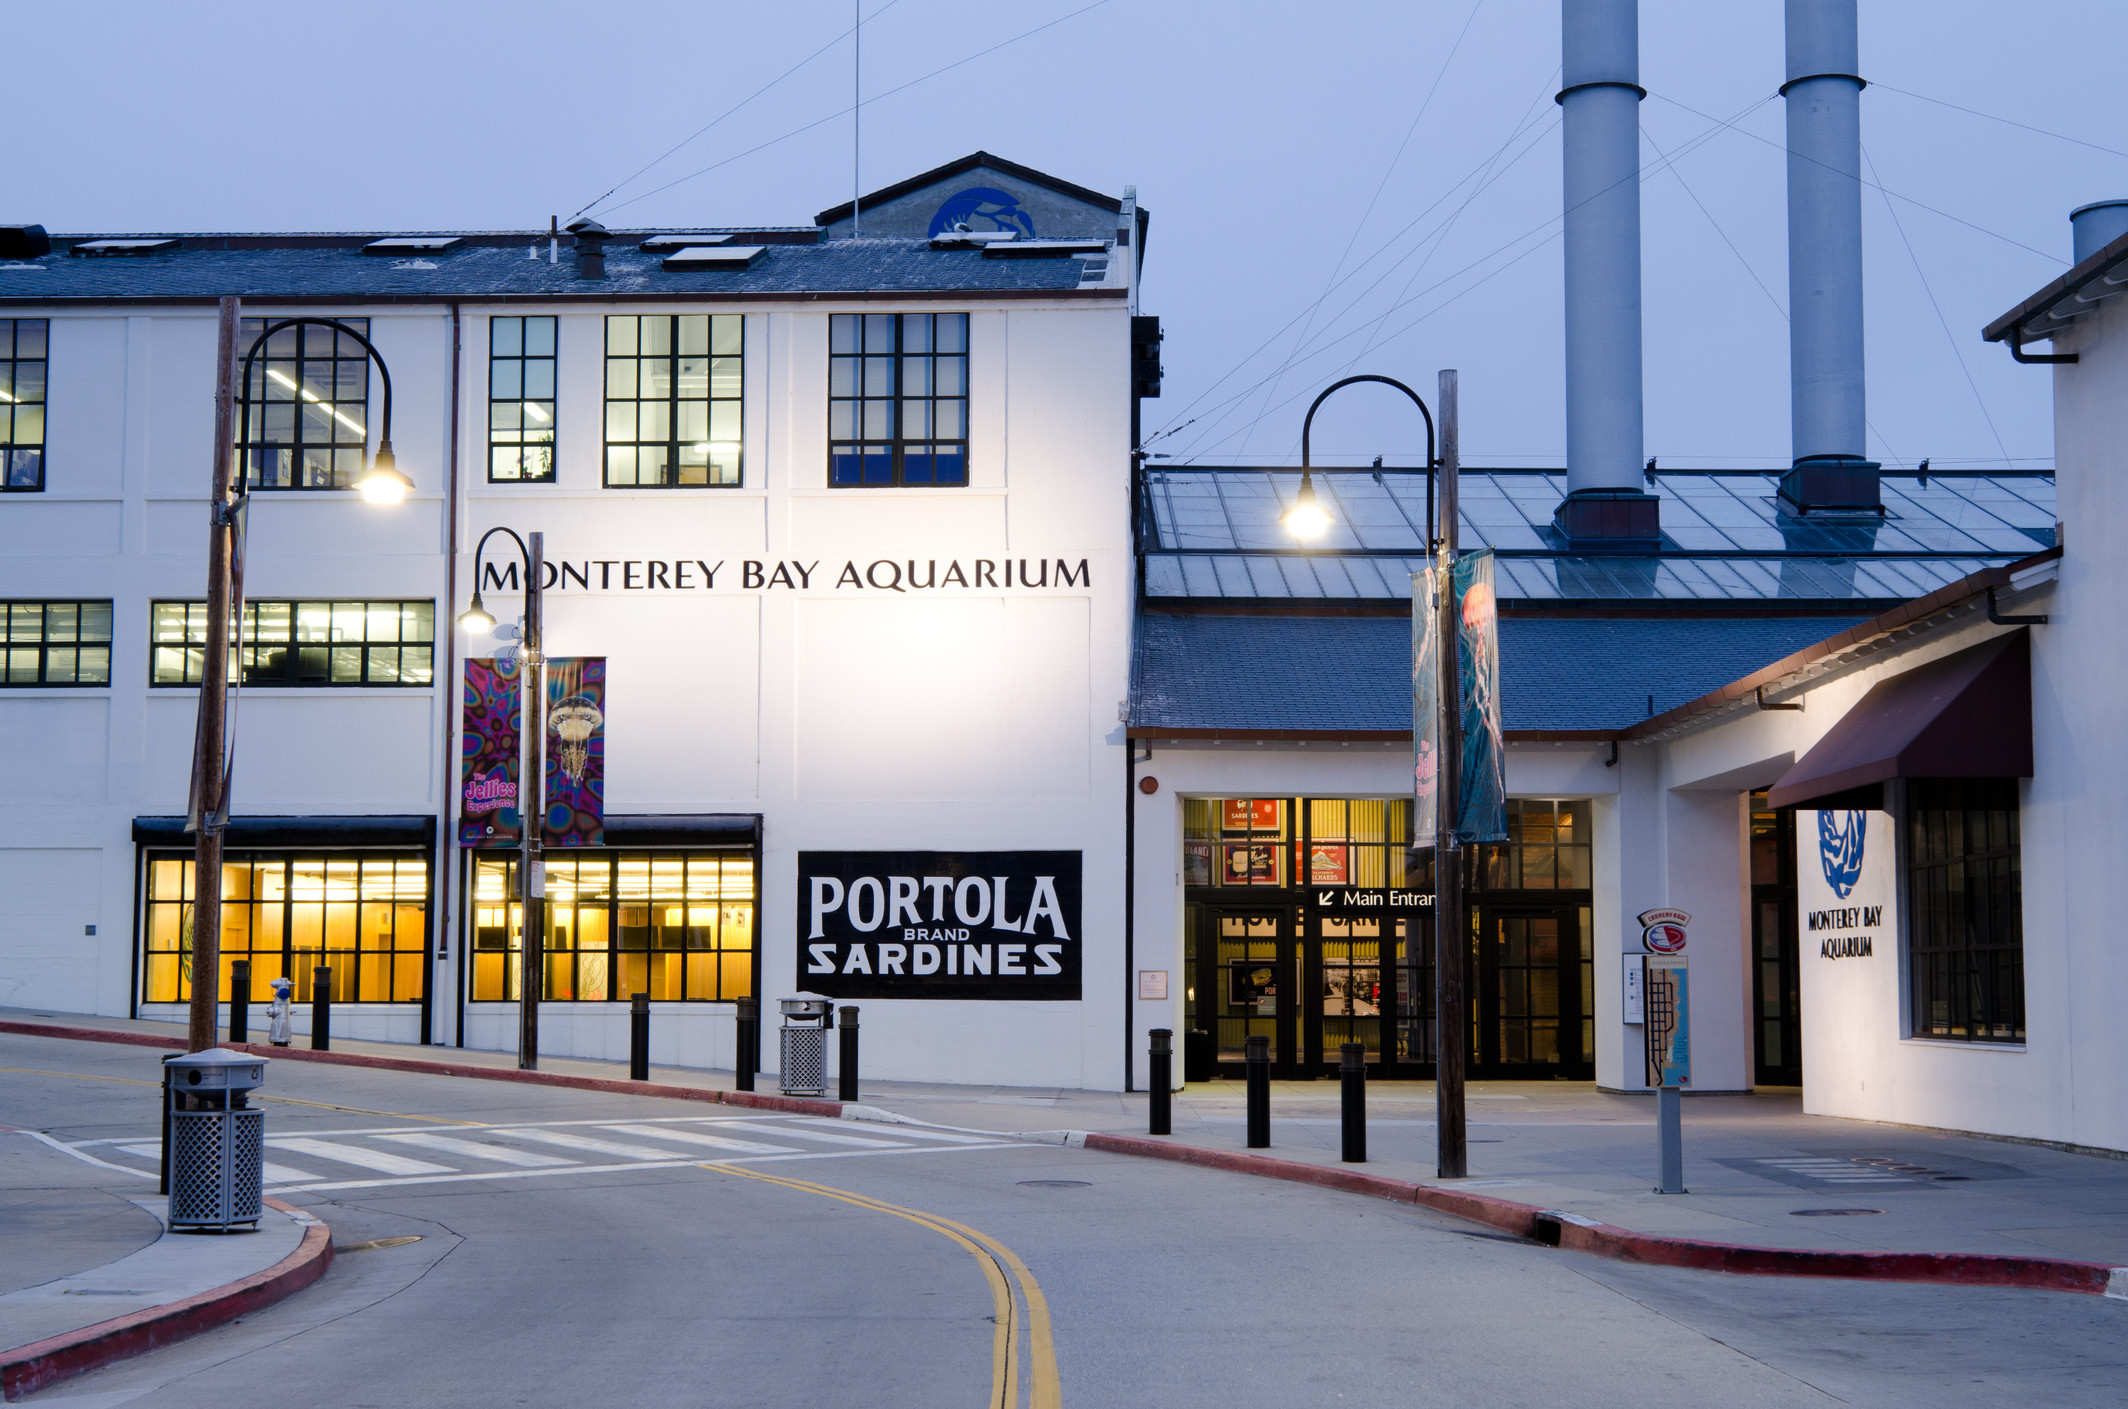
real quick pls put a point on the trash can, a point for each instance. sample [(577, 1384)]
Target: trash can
[(805, 1044), (1200, 1060), (217, 1139)]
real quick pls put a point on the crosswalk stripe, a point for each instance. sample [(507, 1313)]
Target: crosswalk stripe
[(585, 1142), (467, 1149), (271, 1172), (691, 1137), (808, 1132), (913, 1132), (378, 1160)]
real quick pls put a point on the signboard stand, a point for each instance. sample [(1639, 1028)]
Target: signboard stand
[(1666, 1002)]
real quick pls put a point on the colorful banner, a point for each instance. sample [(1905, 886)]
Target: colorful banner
[(1425, 708), (488, 755), (575, 781), (1481, 783)]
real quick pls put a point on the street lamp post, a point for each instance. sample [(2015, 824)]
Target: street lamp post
[(531, 783), (213, 747), (1451, 935)]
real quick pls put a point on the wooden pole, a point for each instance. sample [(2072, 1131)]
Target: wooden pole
[(1451, 932), (208, 739), (531, 811)]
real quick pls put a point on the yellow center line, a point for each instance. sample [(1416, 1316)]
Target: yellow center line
[(994, 1257), (256, 1096)]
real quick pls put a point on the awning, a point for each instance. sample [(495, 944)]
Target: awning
[(683, 829), (1967, 715), (415, 830)]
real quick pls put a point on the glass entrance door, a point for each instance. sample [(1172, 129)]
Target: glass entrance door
[(1254, 980), (1348, 976), (1527, 1013)]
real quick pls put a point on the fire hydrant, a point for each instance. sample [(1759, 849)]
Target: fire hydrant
[(278, 1033)]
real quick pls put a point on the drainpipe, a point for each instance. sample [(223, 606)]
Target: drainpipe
[(447, 684), (1605, 506), (1831, 470)]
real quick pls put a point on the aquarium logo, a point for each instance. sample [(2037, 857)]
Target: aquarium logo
[(1840, 837)]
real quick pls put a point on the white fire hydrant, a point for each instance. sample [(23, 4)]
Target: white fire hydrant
[(278, 1033)]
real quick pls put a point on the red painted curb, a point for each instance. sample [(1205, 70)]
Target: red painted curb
[(41, 1364), (1623, 1245)]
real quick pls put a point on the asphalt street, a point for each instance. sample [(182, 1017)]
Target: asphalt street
[(576, 1248)]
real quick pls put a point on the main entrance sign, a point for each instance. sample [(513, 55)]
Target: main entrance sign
[(940, 924), (1368, 900)]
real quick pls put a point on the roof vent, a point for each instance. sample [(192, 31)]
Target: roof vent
[(714, 257), (24, 242), (2091, 227), (960, 237), (413, 244), (591, 240), (666, 244), (107, 249)]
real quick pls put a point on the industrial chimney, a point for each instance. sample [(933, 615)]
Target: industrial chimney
[(1832, 472), (1605, 506)]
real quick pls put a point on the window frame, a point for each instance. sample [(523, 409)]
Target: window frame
[(716, 326), (44, 645), (849, 384), (295, 346), (190, 647), (14, 455), (500, 437), (1940, 936)]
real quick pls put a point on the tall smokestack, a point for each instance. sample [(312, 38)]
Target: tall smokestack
[(1832, 470), (1605, 505)]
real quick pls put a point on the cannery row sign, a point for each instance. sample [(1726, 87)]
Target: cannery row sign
[(939, 924), (778, 574)]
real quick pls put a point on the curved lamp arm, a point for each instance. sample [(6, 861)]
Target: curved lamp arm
[(1308, 489), (385, 462), (475, 614)]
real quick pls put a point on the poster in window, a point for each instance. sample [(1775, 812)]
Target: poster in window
[(1251, 864), (1197, 864), (1253, 987), (1243, 814), (1329, 865)]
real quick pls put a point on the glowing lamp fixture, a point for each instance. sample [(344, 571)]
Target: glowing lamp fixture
[(475, 619), (382, 483), (1305, 518)]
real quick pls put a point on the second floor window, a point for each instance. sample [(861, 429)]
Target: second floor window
[(309, 407), (22, 363), (673, 388), (520, 399), (305, 643), (898, 398), (55, 643)]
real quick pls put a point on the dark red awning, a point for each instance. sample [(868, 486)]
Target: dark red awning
[(1968, 715)]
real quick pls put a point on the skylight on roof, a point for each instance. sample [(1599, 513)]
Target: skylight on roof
[(715, 257), (413, 244), (666, 244), (104, 249), (969, 239), (1042, 249)]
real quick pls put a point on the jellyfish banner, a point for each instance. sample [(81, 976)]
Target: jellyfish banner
[(1481, 784), (1425, 709), (576, 751)]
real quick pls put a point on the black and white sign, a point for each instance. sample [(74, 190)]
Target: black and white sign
[(1365, 901), (939, 924)]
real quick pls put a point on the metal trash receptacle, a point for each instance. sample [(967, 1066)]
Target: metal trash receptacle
[(805, 1043), (217, 1140)]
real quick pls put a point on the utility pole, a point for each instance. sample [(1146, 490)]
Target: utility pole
[(531, 811), (1451, 935), (208, 743)]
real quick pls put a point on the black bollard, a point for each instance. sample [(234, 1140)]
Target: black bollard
[(847, 1091), (748, 1057), (1352, 1073), (639, 1037), (1160, 1073), (239, 1001), (321, 1008), (1258, 1065)]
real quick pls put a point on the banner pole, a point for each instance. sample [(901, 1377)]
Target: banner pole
[(531, 812), (1451, 931)]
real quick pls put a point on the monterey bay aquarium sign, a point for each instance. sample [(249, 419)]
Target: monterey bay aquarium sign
[(940, 924)]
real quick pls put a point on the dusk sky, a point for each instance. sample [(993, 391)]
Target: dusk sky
[(1335, 188)]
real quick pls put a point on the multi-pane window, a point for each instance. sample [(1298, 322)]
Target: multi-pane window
[(675, 925), (365, 915), (304, 643), (22, 364), (521, 399), (673, 388), (56, 643), (898, 398), (1967, 914), (308, 420), (1547, 848)]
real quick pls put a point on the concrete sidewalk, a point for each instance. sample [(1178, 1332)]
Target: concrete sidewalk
[(1760, 1172)]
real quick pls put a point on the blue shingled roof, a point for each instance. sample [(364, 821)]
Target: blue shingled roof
[(1192, 671), (198, 270)]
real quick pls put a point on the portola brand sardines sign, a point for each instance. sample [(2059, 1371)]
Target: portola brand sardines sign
[(940, 924)]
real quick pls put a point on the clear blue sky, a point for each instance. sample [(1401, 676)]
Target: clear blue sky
[(1264, 138)]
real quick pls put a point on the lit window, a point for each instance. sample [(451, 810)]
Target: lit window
[(304, 643), (898, 399), (308, 420), (22, 364), (520, 399), (56, 643), (673, 388)]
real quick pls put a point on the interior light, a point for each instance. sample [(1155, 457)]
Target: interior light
[(1306, 518), (705, 446), (535, 409), (11, 400), (475, 618), (313, 397)]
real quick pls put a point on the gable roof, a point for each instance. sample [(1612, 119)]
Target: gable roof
[(961, 167)]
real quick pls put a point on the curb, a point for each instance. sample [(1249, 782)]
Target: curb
[(1553, 1229), (1577, 1234), (41, 1364)]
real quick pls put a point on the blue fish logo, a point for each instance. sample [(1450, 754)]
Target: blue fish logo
[(982, 203), (1840, 836)]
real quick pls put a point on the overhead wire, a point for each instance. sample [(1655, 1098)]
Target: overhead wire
[(1991, 117)]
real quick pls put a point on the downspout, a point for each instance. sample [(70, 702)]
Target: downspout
[(447, 839), (1130, 906)]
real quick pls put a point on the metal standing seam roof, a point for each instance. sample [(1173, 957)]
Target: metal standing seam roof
[(202, 268), (1215, 534), (1309, 675)]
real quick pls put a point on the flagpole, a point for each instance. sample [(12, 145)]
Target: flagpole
[(1451, 930)]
